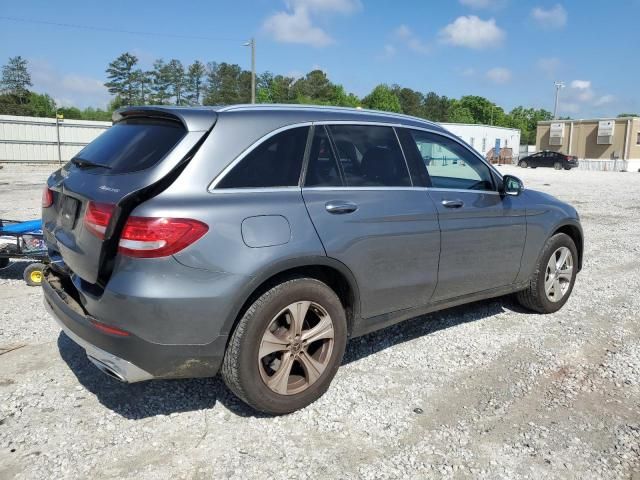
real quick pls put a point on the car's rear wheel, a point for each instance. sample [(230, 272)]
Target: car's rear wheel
[(523, 163), (287, 347), (552, 282), (557, 166)]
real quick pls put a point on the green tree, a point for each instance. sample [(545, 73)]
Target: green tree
[(315, 88), (436, 108), (411, 102), (41, 105), (382, 98), (526, 119), (227, 84), (143, 81), (121, 74), (177, 80), (16, 79), (628, 115), (70, 113), (160, 83), (195, 82)]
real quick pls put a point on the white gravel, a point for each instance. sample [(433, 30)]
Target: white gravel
[(481, 391)]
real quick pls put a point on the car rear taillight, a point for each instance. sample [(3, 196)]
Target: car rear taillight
[(103, 327), (151, 237), (97, 217), (47, 197)]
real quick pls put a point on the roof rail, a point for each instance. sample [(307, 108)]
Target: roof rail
[(296, 106)]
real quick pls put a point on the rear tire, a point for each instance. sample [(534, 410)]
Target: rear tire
[(33, 274), (523, 164), (537, 296), (557, 166), (265, 341)]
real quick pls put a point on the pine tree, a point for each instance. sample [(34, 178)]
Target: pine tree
[(176, 80), (161, 83), (195, 82), (122, 78), (16, 79)]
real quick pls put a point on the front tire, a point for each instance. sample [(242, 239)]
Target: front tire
[(287, 347), (554, 277)]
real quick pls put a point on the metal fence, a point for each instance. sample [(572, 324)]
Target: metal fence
[(45, 140)]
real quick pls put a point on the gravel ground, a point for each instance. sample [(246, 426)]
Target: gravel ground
[(481, 391)]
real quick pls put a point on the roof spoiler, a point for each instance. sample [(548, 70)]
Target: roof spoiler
[(193, 119)]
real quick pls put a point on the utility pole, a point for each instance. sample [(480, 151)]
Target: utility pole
[(252, 43), (558, 85)]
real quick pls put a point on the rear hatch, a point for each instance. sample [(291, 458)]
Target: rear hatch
[(139, 156)]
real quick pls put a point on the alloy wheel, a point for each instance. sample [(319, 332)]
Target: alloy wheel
[(296, 348), (558, 275)]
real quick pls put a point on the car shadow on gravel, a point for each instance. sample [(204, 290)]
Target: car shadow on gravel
[(147, 399), (15, 269), (164, 397)]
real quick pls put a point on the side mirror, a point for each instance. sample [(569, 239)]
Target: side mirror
[(512, 185)]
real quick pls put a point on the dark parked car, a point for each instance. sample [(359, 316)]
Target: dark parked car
[(547, 158), (255, 240)]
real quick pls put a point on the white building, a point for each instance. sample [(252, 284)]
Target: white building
[(485, 137)]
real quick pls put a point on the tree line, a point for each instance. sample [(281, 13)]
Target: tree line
[(173, 83)]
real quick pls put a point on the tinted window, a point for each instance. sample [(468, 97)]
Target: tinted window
[(274, 163), (450, 165), (132, 145), (323, 168), (370, 156)]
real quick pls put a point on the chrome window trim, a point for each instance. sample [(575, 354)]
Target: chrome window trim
[(359, 189), (250, 149), (462, 190), (212, 186), (256, 190)]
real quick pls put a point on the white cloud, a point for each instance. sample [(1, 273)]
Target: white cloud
[(68, 89), (472, 32), (581, 84), (549, 65), (499, 75), (388, 51), (411, 40), (480, 4), (604, 100), (468, 72), (331, 6), (554, 17), (296, 24)]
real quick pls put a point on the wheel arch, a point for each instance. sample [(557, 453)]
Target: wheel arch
[(574, 231), (330, 271)]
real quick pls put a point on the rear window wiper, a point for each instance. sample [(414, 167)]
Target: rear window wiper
[(83, 162)]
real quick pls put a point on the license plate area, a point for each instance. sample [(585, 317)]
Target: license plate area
[(69, 212)]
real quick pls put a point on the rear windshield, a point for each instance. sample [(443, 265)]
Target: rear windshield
[(130, 146)]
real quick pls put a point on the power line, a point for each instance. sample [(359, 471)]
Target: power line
[(117, 30)]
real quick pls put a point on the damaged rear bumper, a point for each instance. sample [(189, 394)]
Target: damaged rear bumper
[(126, 358)]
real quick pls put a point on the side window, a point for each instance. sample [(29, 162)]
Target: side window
[(450, 165), (370, 156), (322, 170), (274, 163)]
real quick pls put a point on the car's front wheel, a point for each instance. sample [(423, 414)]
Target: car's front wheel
[(287, 347), (552, 282)]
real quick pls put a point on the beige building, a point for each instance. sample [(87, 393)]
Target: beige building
[(599, 144)]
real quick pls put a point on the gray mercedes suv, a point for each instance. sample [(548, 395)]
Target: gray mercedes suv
[(255, 240)]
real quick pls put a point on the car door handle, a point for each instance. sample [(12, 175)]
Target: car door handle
[(338, 208), (452, 203)]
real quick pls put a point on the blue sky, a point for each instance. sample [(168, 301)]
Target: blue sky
[(510, 51)]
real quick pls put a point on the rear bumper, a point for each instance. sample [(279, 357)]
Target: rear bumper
[(130, 359)]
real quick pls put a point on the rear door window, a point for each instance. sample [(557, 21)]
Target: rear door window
[(130, 146), (276, 162), (370, 156)]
